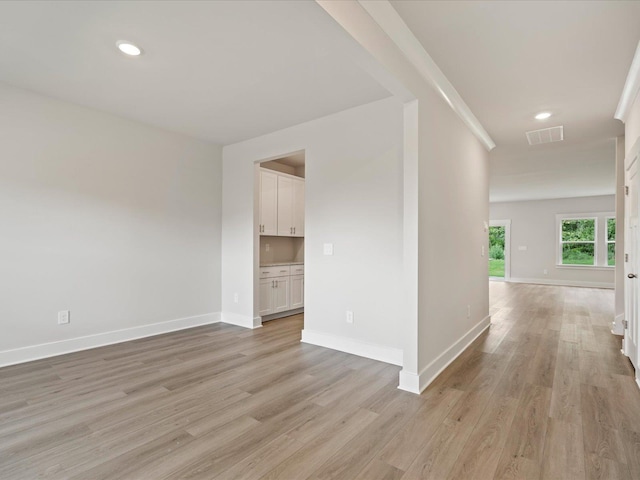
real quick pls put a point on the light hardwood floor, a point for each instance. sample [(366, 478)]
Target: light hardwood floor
[(544, 394)]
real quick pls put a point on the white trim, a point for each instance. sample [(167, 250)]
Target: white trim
[(355, 347), (417, 383), (563, 283), (616, 325), (569, 266), (630, 89), (52, 349), (241, 320), (401, 35)]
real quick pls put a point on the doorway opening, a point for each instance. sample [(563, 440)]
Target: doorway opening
[(500, 250), (280, 211)]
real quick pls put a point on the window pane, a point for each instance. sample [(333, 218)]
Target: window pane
[(578, 229), (611, 254), (578, 253), (611, 229)]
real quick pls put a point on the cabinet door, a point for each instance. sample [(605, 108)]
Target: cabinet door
[(285, 202), (266, 296), (298, 208), (281, 295), (268, 203), (297, 291)]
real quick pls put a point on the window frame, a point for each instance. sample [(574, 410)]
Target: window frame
[(606, 238), (600, 261)]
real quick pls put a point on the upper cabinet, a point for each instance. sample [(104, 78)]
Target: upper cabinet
[(268, 203), (281, 204)]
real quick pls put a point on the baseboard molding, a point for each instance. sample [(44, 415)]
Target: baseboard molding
[(616, 325), (46, 350), (240, 320), (562, 283), (286, 313), (417, 383), (355, 347)]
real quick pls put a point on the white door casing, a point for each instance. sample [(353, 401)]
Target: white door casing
[(632, 273)]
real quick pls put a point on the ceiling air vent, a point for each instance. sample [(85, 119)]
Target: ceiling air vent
[(546, 135)]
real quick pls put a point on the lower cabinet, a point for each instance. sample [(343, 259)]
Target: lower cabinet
[(279, 293), (297, 291)]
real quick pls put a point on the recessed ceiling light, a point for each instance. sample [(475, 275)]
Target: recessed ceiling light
[(129, 49), (543, 115)]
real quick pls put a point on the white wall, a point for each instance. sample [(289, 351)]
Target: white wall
[(353, 199), (533, 224), (453, 208), (619, 201), (632, 125), (446, 197), (116, 221)]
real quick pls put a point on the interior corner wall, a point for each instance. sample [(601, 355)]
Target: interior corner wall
[(453, 208), (116, 221), (533, 225), (619, 200), (353, 199), (632, 125)]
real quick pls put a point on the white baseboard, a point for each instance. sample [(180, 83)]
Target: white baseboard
[(616, 325), (241, 320), (562, 283), (355, 347), (417, 383), (45, 350)]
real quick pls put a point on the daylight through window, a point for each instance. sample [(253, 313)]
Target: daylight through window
[(578, 241)]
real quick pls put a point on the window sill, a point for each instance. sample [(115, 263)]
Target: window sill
[(587, 267)]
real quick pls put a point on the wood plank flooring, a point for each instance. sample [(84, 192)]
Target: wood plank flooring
[(544, 394)]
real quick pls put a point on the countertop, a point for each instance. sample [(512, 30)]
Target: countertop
[(280, 264)]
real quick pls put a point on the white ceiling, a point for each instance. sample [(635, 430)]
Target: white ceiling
[(512, 59), (222, 71)]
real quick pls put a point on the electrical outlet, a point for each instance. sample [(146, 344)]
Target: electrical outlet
[(468, 311), (266, 247), (349, 316), (482, 251), (545, 271), (327, 249), (64, 317), (235, 298)]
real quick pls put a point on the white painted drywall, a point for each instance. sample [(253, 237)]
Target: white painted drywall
[(114, 220), (619, 199), (446, 197), (353, 199), (632, 126), (454, 204), (533, 225)]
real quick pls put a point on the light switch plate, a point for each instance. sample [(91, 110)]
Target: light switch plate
[(522, 248), (328, 249)]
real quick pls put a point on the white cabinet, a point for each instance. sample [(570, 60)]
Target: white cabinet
[(281, 204), (297, 291), (268, 199), (298, 208), (285, 206), (275, 290), (281, 300), (281, 289), (266, 296)]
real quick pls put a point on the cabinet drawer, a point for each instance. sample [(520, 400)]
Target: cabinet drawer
[(297, 269), (279, 271)]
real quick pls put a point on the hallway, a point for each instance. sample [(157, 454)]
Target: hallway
[(545, 394)]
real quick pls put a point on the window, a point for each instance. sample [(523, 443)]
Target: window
[(611, 241), (578, 241), (586, 240)]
